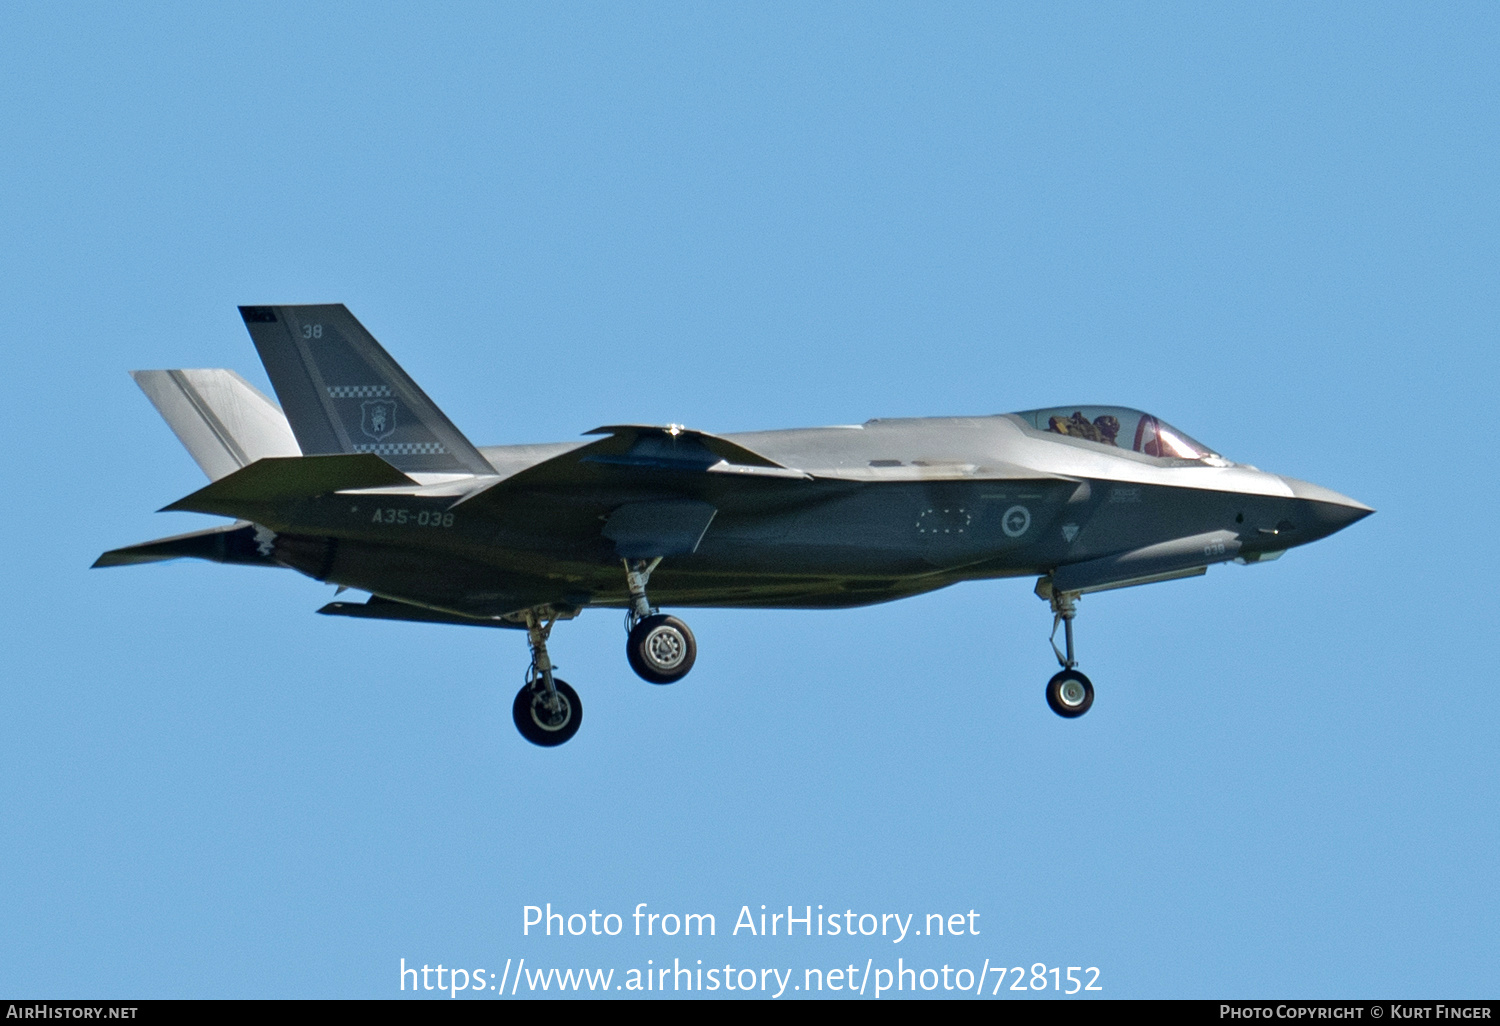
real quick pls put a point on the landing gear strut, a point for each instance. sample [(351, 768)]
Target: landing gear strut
[(547, 711), (1069, 693), (660, 648)]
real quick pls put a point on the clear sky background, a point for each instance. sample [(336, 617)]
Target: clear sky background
[(1273, 225)]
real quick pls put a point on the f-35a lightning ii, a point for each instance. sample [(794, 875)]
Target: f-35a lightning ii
[(363, 482)]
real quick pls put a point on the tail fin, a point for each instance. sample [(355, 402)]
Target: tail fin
[(222, 420), (344, 394)]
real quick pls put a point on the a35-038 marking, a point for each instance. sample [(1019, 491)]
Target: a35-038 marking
[(411, 518)]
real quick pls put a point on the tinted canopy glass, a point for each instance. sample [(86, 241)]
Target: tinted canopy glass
[(1120, 427)]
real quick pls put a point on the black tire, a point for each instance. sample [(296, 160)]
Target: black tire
[(661, 649), (1062, 694), (537, 723)]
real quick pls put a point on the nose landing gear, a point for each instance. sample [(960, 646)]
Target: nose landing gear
[(660, 648), (1069, 694)]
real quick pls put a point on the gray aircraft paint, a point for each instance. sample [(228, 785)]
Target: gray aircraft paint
[(858, 514), (365, 483), (220, 418)]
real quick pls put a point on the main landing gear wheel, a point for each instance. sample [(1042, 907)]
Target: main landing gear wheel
[(547, 712), (661, 649), (547, 718), (1070, 694)]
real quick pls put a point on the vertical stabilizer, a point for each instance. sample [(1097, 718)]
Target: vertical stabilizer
[(343, 393), (222, 420)]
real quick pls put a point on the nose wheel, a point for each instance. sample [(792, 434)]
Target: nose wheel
[(1069, 694), (661, 649)]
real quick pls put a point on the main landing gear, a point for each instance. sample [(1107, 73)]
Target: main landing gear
[(1069, 693), (547, 711), (660, 648)]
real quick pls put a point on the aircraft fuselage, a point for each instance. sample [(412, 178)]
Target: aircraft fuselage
[(894, 508), (360, 480)]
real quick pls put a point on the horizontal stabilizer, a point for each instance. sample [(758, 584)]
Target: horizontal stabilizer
[(378, 608), (220, 418), (1181, 557), (670, 527), (241, 543), (281, 480)]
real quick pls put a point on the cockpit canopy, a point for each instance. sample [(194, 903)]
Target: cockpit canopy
[(1122, 428)]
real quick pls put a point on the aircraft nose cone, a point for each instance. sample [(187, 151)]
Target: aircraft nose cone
[(1321, 511)]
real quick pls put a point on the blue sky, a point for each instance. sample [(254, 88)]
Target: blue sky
[(1274, 226)]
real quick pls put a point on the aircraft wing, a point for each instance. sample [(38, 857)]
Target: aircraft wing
[(648, 449), (672, 445)]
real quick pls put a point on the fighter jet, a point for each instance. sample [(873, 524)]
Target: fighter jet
[(359, 480)]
